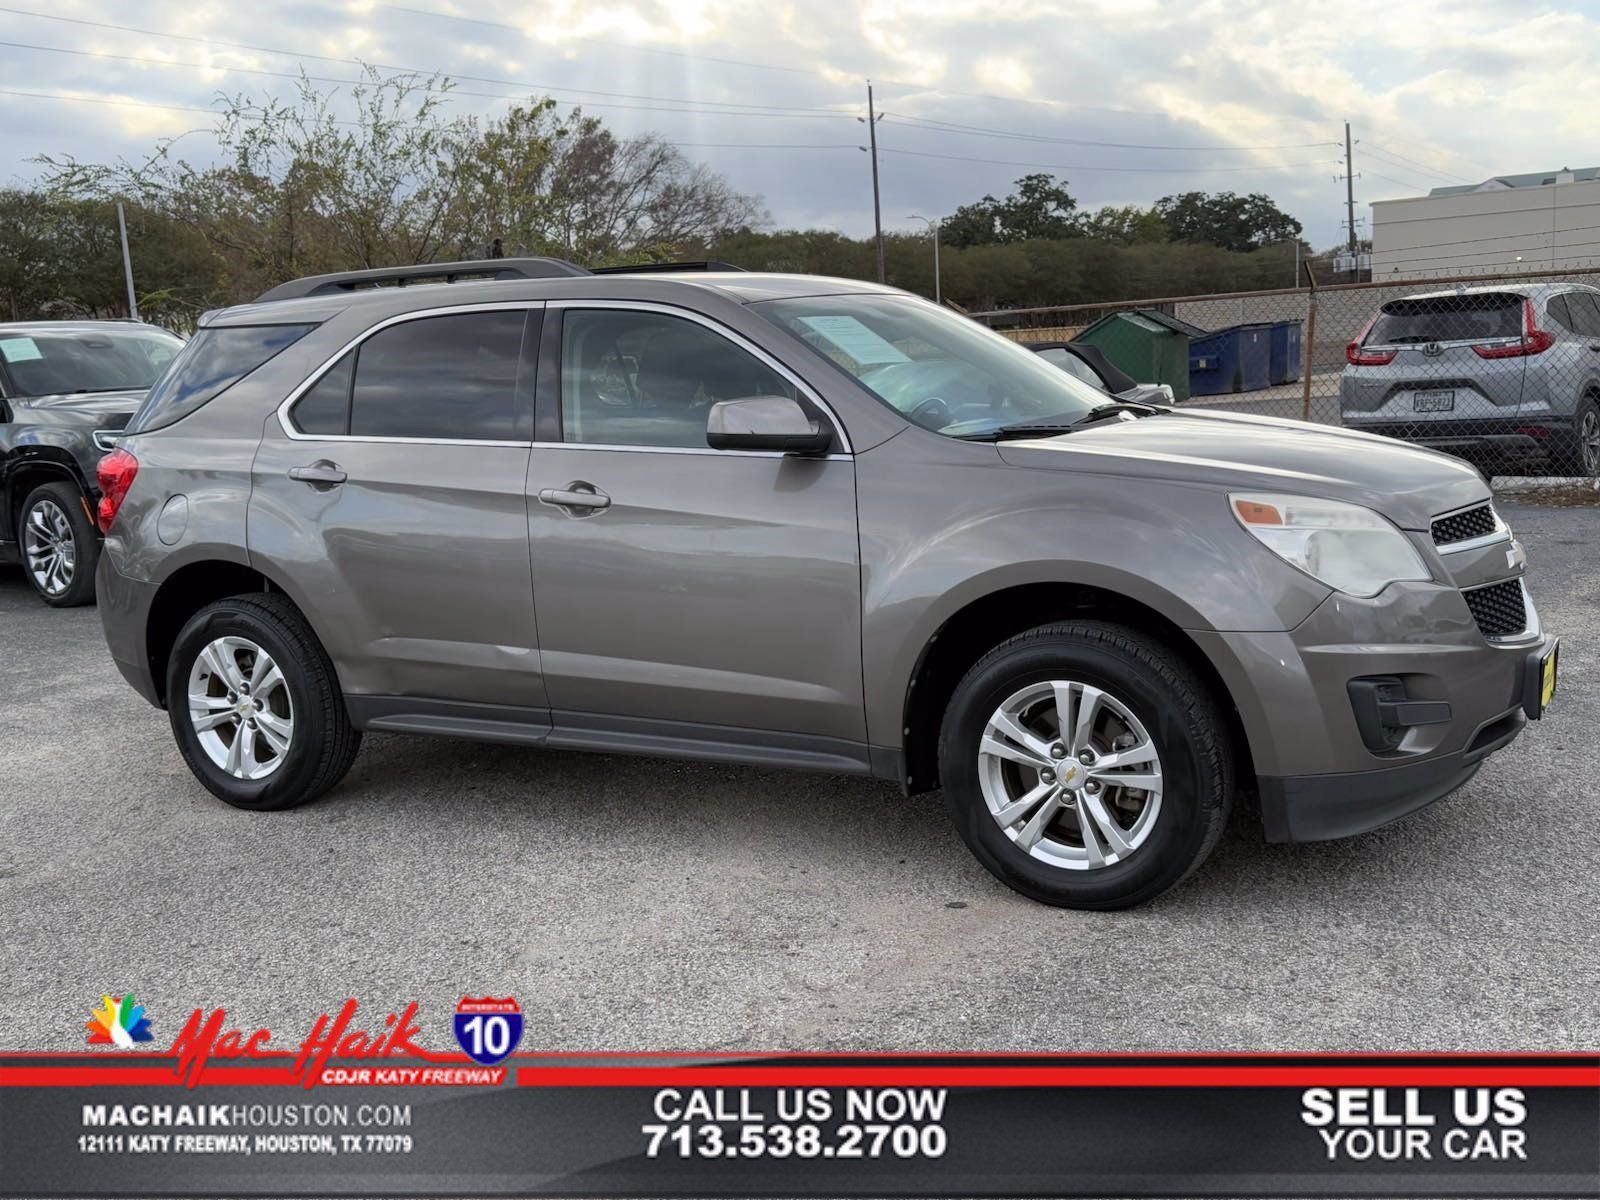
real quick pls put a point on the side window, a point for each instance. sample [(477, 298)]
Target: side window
[(325, 409), (440, 378), (1585, 310), (647, 379), (1074, 366), (1561, 314)]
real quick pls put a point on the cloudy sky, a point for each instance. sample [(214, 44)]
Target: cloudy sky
[(1128, 100)]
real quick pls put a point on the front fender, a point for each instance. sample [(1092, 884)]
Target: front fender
[(936, 537)]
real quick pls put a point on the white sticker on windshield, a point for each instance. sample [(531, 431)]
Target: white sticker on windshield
[(19, 349), (855, 339)]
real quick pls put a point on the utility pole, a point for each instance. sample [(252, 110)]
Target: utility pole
[(127, 263), (1350, 205), (877, 215)]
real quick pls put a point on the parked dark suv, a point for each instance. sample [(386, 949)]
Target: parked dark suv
[(801, 522), (66, 390)]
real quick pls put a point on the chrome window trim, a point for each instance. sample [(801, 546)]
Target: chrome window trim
[(446, 310), (732, 335)]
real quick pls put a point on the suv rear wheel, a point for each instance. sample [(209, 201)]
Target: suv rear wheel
[(1581, 455), (1086, 765), (255, 704), (59, 545)]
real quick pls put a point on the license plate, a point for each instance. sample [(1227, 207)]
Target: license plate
[(1435, 401), (1547, 677)]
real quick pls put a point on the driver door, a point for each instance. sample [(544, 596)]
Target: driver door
[(684, 593)]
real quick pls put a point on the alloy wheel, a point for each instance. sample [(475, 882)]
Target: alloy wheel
[(48, 546), (1070, 775), (1589, 440), (240, 708)]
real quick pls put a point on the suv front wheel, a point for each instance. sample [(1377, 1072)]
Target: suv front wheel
[(1086, 765), (59, 545), (255, 704)]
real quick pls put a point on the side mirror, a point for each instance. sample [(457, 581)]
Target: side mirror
[(766, 423)]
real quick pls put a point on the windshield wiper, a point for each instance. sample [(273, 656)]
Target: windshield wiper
[(1050, 426), (1101, 411)]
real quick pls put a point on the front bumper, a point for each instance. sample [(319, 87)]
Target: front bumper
[(1317, 808), (1317, 702)]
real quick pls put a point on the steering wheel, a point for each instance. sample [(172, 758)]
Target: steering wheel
[(935, 408)]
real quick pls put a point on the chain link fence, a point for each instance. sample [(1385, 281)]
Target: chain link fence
[(1502, 370)]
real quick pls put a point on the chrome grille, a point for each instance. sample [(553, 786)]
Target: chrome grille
[(1469, 523), (1498, 608)]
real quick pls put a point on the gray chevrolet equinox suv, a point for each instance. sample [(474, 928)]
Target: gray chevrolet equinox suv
[(800, 522)]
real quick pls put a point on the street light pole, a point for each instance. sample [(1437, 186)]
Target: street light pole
[(127, 264), (933, 228)]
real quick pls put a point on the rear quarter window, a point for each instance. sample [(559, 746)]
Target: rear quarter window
[(212, 362)]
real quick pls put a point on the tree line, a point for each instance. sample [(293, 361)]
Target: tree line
[(297, 189)]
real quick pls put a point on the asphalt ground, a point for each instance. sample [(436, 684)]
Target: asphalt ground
[(638, 904)]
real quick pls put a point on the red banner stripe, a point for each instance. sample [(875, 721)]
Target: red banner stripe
[(1196, 1076)]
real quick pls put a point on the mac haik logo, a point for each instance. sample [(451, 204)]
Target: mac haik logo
[(206, 1036), (120, 1022), (488, 1029)]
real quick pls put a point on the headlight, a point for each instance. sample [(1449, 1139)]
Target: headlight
[(1344, 545)]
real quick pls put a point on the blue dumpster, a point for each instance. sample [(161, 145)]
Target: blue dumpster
[(1236, 359), (1285, 351)]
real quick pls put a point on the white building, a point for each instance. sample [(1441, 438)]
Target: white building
[(1546, 221)]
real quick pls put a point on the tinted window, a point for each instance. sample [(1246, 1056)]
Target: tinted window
[(440, 378), (212, 362), (1448, 319), (1585, 310), (325, 408), (1557, 308), (42, 364), (645, 379)]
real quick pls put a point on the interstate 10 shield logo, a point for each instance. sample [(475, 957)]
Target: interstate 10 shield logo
[(488, 1029)]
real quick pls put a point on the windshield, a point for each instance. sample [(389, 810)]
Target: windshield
[(939, 370), (44, 364)]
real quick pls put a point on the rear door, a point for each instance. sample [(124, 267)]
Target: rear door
[(389, 491), (686, 593)]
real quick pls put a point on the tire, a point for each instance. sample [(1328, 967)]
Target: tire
[(59, 545), (1580, 449), (1155, 700), (301, 742)]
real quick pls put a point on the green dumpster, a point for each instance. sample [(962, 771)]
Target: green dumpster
[(1149, 345)]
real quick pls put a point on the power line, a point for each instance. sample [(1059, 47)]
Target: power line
[(1006, 162), (1536, 249), (1420, 166), (953, 127), (212, 112), (739, 62), (709, 107)]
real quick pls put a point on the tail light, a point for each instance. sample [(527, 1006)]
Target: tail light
[(1357, 357), (115, 476), (1534, 340)]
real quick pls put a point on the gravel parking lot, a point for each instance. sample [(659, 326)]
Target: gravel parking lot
[(632, 903)]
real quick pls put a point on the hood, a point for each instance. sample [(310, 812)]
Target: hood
[(111, 409), (1405, 483)]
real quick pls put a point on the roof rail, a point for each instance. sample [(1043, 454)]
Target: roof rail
[(485, 268), (666, 268)]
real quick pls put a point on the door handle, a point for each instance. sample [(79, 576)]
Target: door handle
[(577, 498), (321, 474)]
